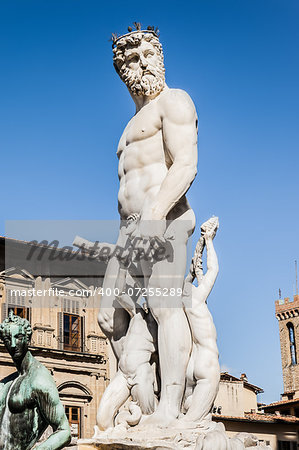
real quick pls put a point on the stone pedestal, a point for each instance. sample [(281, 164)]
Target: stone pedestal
[(120, 445), (170, 439), (142, 439)]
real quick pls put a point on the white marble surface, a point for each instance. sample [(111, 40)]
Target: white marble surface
[(157, 163), (168, 370)]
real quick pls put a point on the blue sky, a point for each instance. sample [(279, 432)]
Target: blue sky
[(63, 109)]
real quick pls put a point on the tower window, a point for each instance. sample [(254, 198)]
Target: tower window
[(292, 343)]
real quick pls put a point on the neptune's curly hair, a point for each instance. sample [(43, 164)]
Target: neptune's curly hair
[(12, 319)]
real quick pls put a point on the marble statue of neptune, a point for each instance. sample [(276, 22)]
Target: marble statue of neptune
[(158, 321), (157, 163)]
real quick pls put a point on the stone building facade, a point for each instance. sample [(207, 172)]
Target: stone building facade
[(66, 336), (236, 406), (236, 396), (287, 314), (281, 433)]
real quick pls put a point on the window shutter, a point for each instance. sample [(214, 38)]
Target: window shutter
[(48, 338), (4, 311), (94, 345), (40, 338), (83, 349), (102, 345), (67, 305), (60, 331), (8, 295), (28, 314)]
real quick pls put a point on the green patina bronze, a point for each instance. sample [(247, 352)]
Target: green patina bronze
[(29, 400)]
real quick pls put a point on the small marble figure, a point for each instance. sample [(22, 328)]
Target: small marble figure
[(203, 371)]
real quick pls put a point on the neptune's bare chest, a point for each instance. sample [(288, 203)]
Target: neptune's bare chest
[(141, 144), (144, 125)]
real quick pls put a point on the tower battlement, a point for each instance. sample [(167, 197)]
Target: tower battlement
[(286, 308)]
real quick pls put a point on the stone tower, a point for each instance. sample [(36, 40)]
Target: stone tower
[(287, 314)]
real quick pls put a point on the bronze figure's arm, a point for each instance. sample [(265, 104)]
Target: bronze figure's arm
[(53, 412)]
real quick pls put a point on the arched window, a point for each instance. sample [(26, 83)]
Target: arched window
[(292, 343)]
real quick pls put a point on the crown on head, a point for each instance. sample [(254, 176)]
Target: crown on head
[(137, 25)]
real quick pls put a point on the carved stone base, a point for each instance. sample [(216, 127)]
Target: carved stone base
[(170, 439), (120, 445), (141, 439)]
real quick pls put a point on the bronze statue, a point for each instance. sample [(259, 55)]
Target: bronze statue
[(29, 399)]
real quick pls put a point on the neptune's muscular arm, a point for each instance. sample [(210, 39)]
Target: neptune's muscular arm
[(179, 132), (51, 408)]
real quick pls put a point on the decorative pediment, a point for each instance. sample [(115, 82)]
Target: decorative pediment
[(74, 389), (69, 283), (16, 272)]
